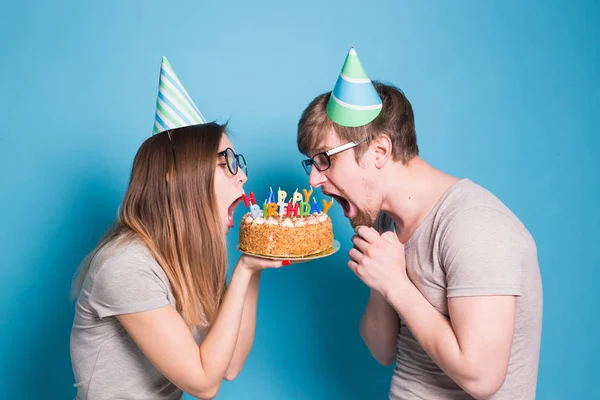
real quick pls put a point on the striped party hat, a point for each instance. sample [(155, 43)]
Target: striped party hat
[(354, 100), (174, 106)]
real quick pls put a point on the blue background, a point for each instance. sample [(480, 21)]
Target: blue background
[(505, 93)]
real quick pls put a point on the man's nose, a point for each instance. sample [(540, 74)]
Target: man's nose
[(316, 178)]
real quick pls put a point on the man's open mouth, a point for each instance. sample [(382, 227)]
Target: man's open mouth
[(341, 200)]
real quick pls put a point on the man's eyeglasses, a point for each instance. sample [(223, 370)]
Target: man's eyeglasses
[(234, 161), (322, 161)]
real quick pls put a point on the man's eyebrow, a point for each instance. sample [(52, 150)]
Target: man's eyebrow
[(320, 150)]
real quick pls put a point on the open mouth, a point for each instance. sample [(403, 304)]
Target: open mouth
[(231, 210), (342, 202)]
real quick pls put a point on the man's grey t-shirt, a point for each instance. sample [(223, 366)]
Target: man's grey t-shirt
[(124, 278), (470, 244)]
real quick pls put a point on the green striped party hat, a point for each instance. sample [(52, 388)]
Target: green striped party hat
[(174, 106), (354, 100)]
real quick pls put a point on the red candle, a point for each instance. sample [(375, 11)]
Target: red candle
[(292, 208), (249, 199)]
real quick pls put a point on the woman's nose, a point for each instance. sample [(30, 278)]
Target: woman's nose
[(241, 177)]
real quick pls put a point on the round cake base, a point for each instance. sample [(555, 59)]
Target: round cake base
[(332, 250)]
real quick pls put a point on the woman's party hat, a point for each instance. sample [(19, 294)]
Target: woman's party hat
[(174, 106), (354, 100)]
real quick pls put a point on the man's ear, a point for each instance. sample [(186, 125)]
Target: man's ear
[(382, 145)]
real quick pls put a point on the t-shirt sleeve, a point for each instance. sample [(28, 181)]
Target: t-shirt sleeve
[(128, 283), (482, 252)]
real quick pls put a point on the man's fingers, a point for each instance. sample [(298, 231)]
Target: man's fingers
[(356, 268), (369, 235), (360, 243), (352, 265), (390, 236), (355, 255)]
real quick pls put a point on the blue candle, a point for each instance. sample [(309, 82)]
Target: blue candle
[(314, 207), (271, 198)]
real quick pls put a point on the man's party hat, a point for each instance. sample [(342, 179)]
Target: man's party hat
[(354, 100), (174, 106)]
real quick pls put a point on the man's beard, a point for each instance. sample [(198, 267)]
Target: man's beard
[(363, 217)]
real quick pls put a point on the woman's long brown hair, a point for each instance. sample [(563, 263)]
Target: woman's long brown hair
[(170, 205)]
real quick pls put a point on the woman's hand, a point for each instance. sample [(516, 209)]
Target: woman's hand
[(256, 264)]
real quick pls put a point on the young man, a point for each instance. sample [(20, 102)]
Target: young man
[(456, 293)]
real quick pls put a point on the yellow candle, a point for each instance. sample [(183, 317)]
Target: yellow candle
[(327, 205), (307, 195)]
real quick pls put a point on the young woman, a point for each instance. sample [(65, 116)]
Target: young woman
[(154, 314)]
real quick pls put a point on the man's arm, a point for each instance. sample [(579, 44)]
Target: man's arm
[(473, 349), (379, 328)]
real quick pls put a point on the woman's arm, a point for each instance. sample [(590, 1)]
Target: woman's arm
[(164, 338), (245, 337)]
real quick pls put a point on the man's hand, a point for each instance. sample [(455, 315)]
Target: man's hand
[(378, 260)]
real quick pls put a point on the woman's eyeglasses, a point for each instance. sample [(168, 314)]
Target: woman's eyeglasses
[(322, 161), (234, 161)]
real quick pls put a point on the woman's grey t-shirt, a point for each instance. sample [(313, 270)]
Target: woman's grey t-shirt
[(123, 278)]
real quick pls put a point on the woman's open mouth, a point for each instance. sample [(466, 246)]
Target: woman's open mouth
[(231, 210)]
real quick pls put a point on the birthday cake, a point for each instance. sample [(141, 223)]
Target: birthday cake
[(295, 228)]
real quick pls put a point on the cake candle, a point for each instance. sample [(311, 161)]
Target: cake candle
[(255, 210), (307, 194), (248, 200), (314, 207), (327, 205), (282, 207), (297, 197), (304, 208), (271, 197), (272, 210), (292, 209), (281, 195)]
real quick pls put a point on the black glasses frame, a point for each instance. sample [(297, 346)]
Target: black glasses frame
[(234, 161), (310, 162)]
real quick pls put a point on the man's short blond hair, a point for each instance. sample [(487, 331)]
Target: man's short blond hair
[(396, 120)]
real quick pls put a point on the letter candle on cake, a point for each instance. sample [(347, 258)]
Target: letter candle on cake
[(314, 207), (297, 206), (281, 195), (327, 205), (292, 209), (250, 201), (271, 197), (297, 197)]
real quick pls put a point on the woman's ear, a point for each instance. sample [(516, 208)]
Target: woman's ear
[(382, 145)]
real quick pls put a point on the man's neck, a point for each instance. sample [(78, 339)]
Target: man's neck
[(411, 192)]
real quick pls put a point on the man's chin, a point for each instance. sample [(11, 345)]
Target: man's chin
[(362, 218)]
